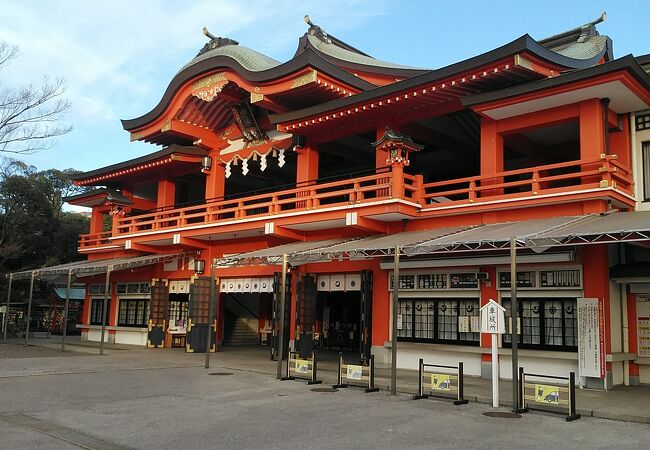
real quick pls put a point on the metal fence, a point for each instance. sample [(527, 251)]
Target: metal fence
[(436, 380), (551, 393), (357, 375), (302, 368)]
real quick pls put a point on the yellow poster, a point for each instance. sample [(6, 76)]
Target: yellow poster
[(354, 372), (440, 382), (547, 394), (302, 365)]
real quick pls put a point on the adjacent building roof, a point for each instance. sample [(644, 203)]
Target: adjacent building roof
[(583, 42), (167, 152), (96, 197), (628, 63)]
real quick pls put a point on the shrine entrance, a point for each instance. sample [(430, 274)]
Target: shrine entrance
[(333, 314)]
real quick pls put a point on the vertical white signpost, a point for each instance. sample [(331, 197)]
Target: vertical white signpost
[(493, 322)]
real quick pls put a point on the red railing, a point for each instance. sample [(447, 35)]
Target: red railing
[(565, 177), (94, 240), (317, 196)]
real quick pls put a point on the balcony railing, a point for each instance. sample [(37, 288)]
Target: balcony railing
[(534, 182), (560, 178), (360, 190), (95, 239)]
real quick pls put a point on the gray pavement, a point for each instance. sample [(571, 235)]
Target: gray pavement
[(138, 398)]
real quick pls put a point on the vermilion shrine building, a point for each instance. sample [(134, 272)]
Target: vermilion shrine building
[(334, 157)]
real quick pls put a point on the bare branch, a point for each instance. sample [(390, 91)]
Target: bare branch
[(30, 116)]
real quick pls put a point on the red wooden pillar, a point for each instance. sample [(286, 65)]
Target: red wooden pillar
[(380, 308), (592, 136), (620, 142), (166, 193), (96, 221), (596, 285), (491, 156), (307, 163), (215, 182), (306, 171), (592, 129)]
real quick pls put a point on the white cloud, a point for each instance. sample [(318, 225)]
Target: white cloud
[(117, 57)]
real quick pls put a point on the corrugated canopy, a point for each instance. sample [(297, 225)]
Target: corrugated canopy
[(380, 245), (88, 268), (534, 233), (273, 255), (631, 226), (493, 236), (76, 293)]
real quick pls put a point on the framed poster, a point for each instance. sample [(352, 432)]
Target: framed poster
[(591, 338), (643, 325)]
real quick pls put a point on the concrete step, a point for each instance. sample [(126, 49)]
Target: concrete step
[(240, 333)]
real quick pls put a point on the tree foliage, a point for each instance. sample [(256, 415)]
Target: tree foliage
[(30, 115), (34, 228)]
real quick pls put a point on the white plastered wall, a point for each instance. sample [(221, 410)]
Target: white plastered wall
[(638, 137)]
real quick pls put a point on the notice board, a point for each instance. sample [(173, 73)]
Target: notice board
[(591, 338)]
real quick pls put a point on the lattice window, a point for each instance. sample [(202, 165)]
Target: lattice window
[(133, 312), (545, 323), (440, 320), (447, 315), (97, 311), (178, 312), (643, 122), (424, 319)]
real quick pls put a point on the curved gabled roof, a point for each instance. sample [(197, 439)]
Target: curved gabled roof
[(579, 48), (341, 56), (243, 62), (583, 42), (524, 44), (247, 58)]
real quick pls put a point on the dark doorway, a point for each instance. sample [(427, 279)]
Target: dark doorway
[(341, 320)]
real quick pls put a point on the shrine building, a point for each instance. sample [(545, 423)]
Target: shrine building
[(334, 162)]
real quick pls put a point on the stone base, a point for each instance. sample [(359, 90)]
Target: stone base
[(486, 370)]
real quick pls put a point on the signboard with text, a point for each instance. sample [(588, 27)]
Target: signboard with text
[(643, 325), (493, 318), (591, 338)]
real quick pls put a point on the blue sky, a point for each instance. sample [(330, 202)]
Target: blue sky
[(118, 56)]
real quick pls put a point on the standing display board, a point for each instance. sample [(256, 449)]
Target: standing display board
[(198, 325), (643, 325), (158, 309), (305, 314), (591, 338)]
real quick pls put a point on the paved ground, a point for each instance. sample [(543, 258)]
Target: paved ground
[(136, 398)]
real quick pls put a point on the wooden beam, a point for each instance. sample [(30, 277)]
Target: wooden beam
[(267, 102), (188, 130), (353, 220), (271, 229)]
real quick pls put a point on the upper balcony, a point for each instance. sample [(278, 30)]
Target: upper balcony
[(373, 201)]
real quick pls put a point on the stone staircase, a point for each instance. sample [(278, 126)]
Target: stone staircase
[(238, 332)]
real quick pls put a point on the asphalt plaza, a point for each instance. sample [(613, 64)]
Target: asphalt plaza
[(134, 398)]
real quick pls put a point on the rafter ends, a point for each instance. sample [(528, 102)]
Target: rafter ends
[(309, 77), (256, 97)]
